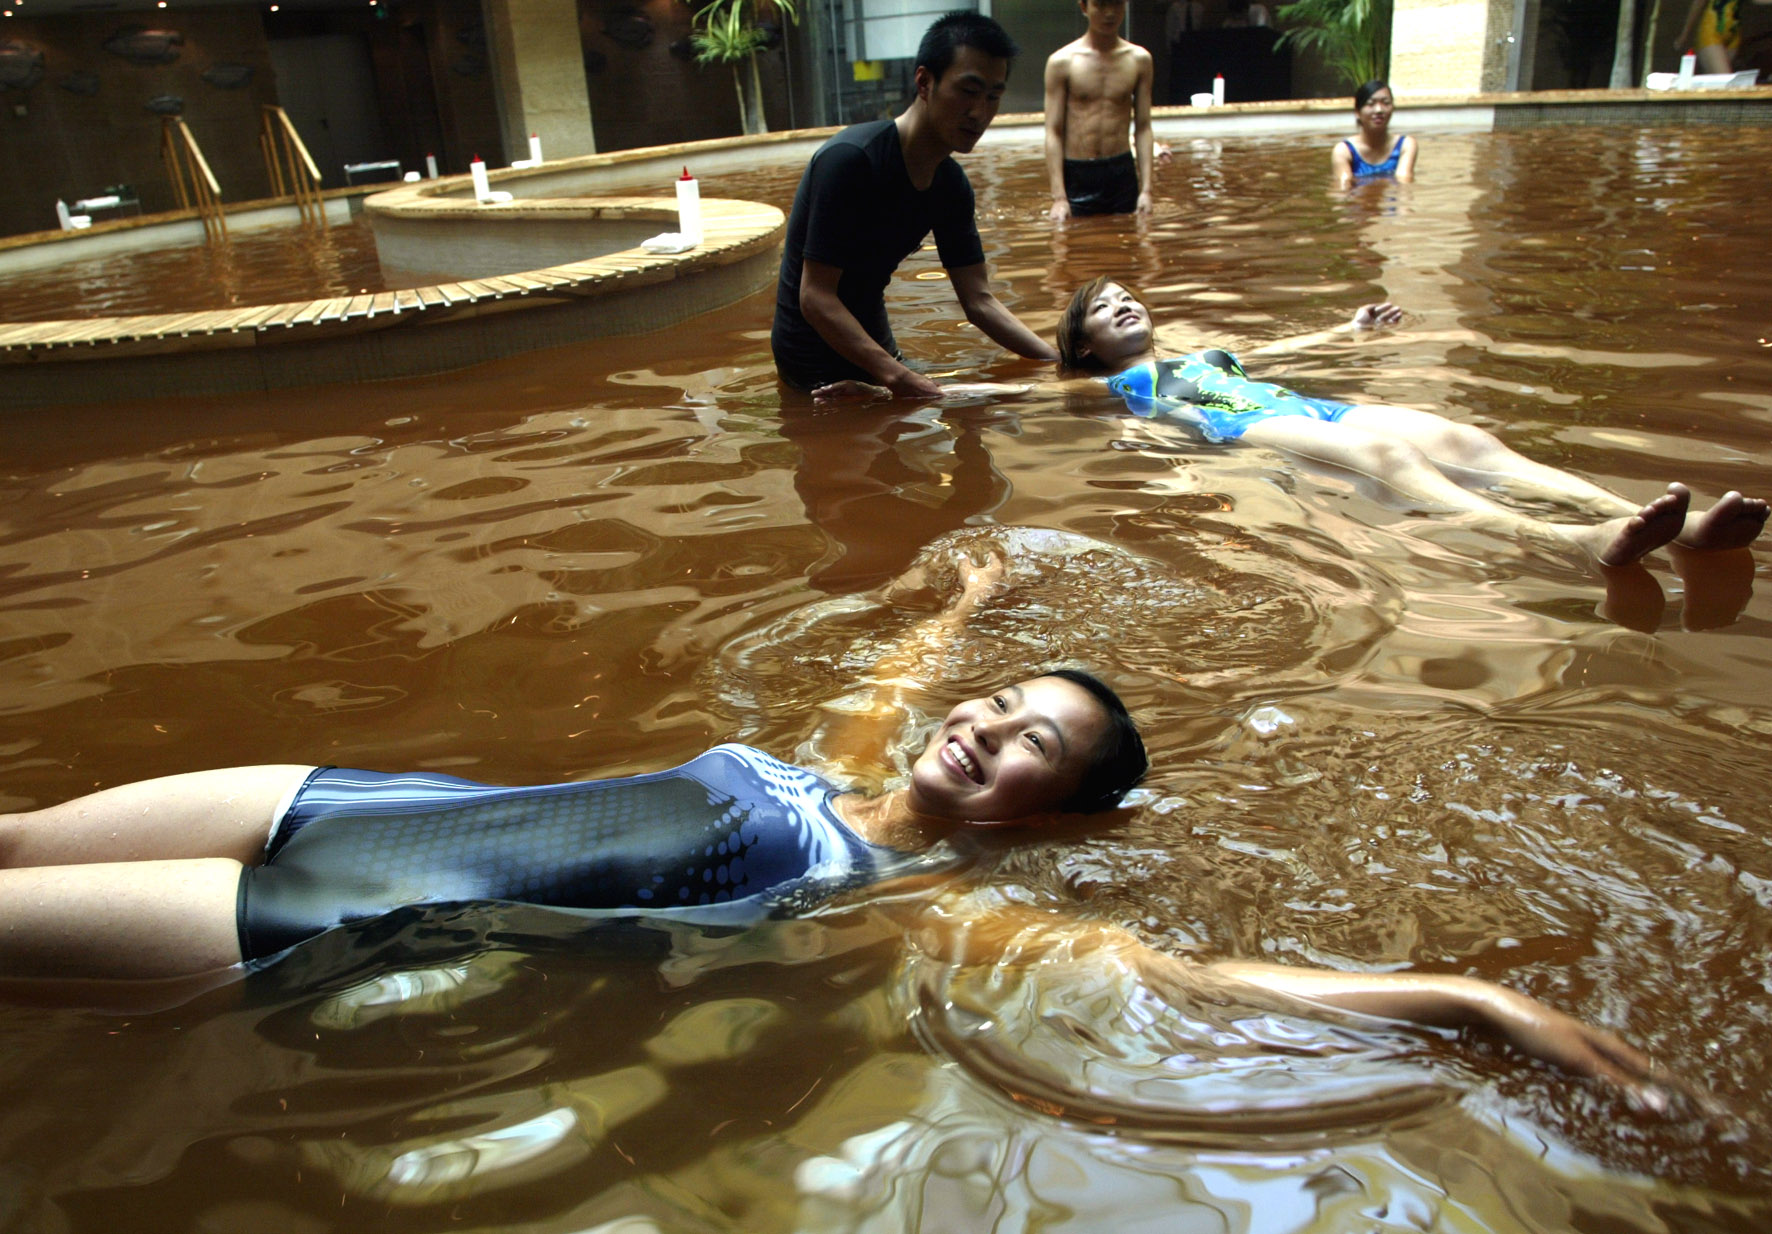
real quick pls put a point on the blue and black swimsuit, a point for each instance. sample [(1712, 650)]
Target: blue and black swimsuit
[(730, 837), (1368, 171), (1210, 391)]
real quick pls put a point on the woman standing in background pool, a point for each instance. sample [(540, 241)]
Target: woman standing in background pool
[(1371, 152)]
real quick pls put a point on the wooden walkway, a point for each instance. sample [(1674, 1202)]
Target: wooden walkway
[(732, 231)]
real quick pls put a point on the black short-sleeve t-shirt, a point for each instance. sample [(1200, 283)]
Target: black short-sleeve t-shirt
[(857, 209)]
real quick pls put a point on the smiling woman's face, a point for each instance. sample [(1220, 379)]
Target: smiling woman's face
[(1020, 751), (1375, 113), (1116, 326)]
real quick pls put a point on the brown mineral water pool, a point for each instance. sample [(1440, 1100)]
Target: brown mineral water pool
[(272, 266), (1382, 741)]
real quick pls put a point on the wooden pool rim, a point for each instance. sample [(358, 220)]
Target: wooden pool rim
[(479, 311)]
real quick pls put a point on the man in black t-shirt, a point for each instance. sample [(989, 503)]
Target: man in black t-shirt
[(869, 196)]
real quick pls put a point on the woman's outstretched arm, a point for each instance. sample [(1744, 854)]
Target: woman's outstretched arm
[(1441, 1001), (862, 734), (1366, 317), (968, 932)]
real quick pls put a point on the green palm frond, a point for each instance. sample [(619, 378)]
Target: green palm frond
[(727, 31), (1352, 36)]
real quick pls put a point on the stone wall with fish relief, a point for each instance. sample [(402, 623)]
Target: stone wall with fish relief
[(90, 117)]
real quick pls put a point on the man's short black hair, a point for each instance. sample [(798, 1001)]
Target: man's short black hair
[(962, 28), (1119, 762)]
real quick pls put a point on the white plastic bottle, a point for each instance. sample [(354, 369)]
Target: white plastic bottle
[(1688, 66), (482, 189), (689, 208), (1218, 90)]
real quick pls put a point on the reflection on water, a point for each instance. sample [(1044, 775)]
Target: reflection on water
[(275, 266), (1380, 741)]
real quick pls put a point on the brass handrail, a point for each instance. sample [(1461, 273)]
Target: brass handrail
[(184, 160), (291, 168)]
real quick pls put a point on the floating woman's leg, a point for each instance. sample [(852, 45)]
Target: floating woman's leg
[(1463, 450), (122, 919), (1480, 456), (223, 813), (1403, 468)]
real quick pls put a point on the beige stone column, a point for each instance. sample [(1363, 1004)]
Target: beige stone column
[(1450, 46), (538, 72)]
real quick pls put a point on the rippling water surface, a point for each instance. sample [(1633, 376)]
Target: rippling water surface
[(1381, 740), (274, 266)]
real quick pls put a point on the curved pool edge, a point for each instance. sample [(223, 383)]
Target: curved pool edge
[(410, 332)]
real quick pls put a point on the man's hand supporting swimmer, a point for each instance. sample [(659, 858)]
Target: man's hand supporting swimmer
[(1376, 316), (827, 314)]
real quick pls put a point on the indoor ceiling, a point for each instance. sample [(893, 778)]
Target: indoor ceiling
[(148, 13)]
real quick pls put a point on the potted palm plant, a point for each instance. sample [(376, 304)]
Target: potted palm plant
[(1353, 37), (735, 32)]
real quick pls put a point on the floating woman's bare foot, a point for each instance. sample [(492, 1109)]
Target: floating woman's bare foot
[(1624, 540), (1734, 522)]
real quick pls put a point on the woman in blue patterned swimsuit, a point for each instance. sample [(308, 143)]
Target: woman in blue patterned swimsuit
[(190, 874), (1106, 331), (1371, 153)]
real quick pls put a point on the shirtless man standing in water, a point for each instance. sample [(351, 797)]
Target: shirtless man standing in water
[(1096, 89)]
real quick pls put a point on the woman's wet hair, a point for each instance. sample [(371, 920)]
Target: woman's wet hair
[(1119, 762), (962, 28), (1071, 344), (1364, 94)]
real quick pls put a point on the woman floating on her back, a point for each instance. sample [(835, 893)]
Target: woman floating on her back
[(194, 873), (1106, 331)]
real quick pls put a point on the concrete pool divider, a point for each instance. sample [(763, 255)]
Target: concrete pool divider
[(560, 262)]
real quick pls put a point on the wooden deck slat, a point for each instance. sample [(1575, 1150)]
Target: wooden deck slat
[(270, 314), (54, 334), (550, 279), (306, 313), (19, 333), (585, 272), (209, 321), (173, 324), (158, 325), (358, 306), (334, 310), (97, 330)]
